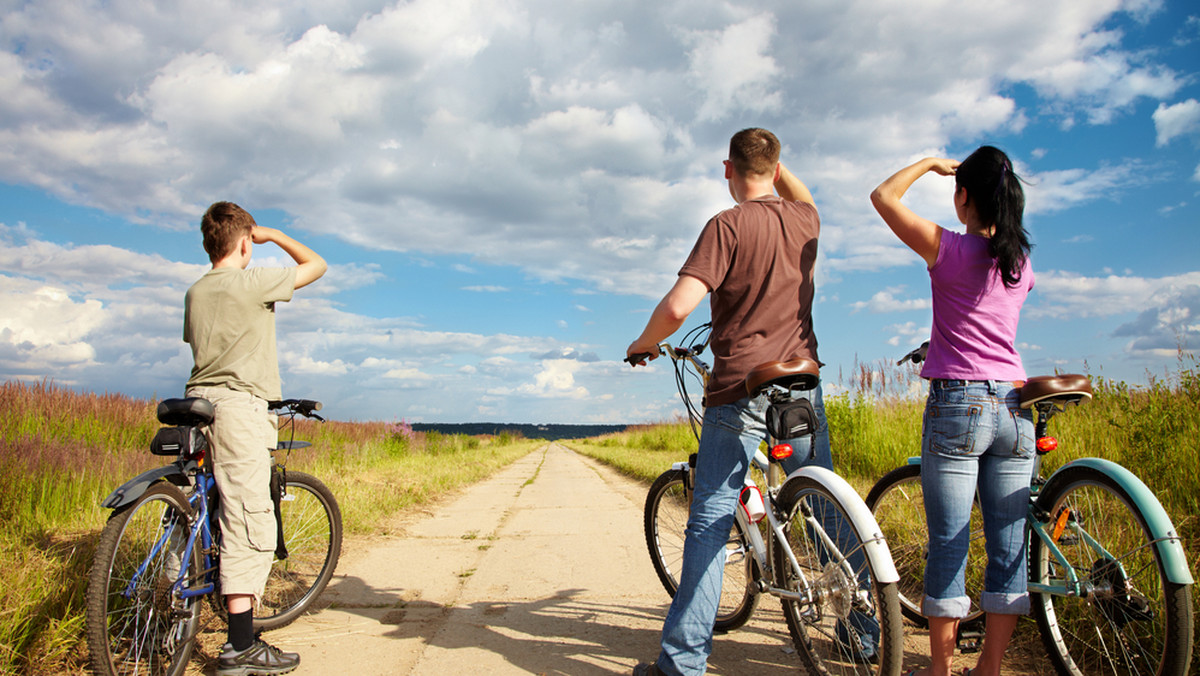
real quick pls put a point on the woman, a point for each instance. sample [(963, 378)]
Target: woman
[(975, 435)]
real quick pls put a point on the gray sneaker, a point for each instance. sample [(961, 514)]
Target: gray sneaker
[(260, 659)]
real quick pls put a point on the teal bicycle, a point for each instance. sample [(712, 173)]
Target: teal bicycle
[(1108, 577)]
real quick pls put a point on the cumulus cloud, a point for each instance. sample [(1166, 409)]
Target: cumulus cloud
[(1180, 119), (1173, 324), (1062, 295), (472, 128), (886, 301), (104, 318)]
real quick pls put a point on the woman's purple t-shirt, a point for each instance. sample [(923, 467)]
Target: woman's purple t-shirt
[(974, 314)]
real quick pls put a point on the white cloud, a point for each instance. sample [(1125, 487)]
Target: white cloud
[(1063, 295), (476, 128), (886, 301), (733, 70), (1180, 119)]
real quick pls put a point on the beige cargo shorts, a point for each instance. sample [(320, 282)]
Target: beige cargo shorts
[(240, 438)]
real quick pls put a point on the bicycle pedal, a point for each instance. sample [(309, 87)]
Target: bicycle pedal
[(970, 641)]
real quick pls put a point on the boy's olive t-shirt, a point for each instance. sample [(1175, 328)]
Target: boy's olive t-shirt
[(229, 320)]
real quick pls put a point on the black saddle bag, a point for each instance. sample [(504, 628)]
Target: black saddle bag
[(186, 442), (791, 419)]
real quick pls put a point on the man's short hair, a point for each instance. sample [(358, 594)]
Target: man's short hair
[(754, 152), (222, 226)]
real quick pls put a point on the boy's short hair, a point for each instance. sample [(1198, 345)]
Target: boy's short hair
[(754, 152), (222, 226)]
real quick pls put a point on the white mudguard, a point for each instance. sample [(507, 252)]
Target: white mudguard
[(864, 522)]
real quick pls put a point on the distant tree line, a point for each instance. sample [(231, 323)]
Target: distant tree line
[(549, 432)]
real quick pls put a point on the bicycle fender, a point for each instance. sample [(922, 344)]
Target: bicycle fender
[(1166, 540), (133, 489), (875, 547)]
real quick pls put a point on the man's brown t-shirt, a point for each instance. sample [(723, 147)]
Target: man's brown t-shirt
[(757, 259)]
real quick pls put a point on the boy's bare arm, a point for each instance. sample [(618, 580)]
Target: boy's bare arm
[(791, 188), (309, 265)]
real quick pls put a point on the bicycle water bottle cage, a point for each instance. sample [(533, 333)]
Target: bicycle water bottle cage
[(799, 374), (1059, 391), (192, 411)]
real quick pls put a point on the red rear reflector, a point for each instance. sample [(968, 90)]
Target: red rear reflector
[(1047, 444), (781, 452)]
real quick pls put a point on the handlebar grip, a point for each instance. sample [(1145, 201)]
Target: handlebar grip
[(635, 359), (309, 405), (304, 407)]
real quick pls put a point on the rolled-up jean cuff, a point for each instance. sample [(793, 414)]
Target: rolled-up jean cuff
[(958, 606), (1005, 604)]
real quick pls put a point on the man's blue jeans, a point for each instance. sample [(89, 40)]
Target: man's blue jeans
[(728, 440)]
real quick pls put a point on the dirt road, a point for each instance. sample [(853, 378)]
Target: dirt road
[(541, 569)]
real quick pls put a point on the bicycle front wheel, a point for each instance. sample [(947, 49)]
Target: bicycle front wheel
[(898, 504), (135, 623), (312, 532), (1128, 618), (666, 516), (845, 621)]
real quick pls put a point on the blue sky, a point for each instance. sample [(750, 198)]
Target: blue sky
[(504, 189)]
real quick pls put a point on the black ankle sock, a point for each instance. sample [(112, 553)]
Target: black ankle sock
[(241, 630)]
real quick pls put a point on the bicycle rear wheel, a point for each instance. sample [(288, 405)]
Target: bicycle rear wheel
[(666, 516), (312, 533), (135, 624), (898, 504), (849, 622), (1131, 619)]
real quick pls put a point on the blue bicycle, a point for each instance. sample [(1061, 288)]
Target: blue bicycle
[(158, 555)]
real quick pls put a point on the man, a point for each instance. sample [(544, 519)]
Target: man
[(756, 259)]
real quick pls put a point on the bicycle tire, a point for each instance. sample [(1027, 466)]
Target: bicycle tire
[(147, 630), (1133, 620), (312, 531), (821, 630), (898, 503), (666, 516)]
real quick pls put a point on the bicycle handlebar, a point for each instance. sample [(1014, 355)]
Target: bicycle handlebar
[(635, 359), (916, 356), (305, 407)]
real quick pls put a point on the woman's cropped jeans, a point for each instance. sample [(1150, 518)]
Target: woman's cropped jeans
[(728, 440), (976, 438)]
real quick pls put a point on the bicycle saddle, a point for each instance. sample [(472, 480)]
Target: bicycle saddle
[(800, 373), (191, 411), (1059, 390)]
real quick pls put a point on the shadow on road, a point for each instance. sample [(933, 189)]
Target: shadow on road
[(567, 633)]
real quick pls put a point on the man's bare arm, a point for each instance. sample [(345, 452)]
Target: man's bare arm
[(670, 314), (791, 188)]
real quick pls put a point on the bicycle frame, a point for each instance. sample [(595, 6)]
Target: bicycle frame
[(199, 530), (1039, 524)]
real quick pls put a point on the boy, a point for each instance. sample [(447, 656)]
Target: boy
[(229, 321)]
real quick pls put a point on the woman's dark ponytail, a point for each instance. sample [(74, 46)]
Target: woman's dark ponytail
[(995, 190)]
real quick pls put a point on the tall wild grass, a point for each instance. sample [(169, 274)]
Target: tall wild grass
[(62, 452)]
